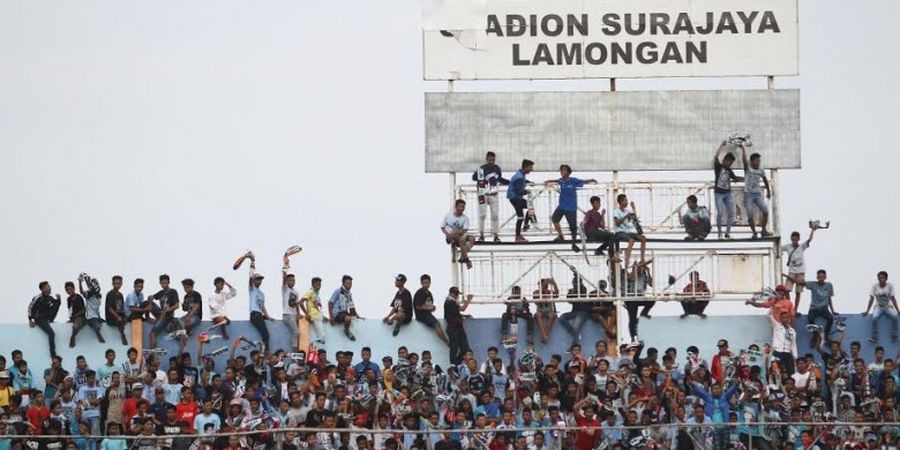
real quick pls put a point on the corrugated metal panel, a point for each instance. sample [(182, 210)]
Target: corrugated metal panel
[(603, 131)]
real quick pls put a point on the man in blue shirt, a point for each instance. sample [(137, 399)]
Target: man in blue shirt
[(821, 294), (568, 202), (257, 301), (516, 194)]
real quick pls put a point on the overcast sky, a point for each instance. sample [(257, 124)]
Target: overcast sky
[(169, 136)]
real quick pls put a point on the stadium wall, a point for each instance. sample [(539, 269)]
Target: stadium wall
[(659, 332)]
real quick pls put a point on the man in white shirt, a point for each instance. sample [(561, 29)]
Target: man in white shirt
[(455, 228), (217, 304), (628, 228), (804, 380), (290, 301), (784, 342), (882, 295), (796, 263)]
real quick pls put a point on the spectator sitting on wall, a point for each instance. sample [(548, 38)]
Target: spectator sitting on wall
[(341, 310), (883, 297), (517, 307), (696, 220), (545, 315), (401, 311), (696, 288), (424, 307)]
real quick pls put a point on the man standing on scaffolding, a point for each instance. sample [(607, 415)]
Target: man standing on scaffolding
[(568, 203), (488, 177), (516, 194)]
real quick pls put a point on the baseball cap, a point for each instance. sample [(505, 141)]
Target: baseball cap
[(388, 359), (4, 374), (400, 277), (137, 386), (722, 343), (257, 276)]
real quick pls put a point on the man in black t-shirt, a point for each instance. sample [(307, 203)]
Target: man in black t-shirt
[(168, 303), (401, 312), (423, 304), (75, 304), (172, 426), (456, 333), (724, 201), (115, 308), (192, 305)]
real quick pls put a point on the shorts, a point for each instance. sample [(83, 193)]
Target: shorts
[(800, 277), (428, 319), (546, 308), (339, 317), (558, 215), (622, 236)]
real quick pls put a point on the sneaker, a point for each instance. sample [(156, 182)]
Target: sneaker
[(396, 330), (576, 249), (72, 342), (720, 235), (598, 251), (754, 237), (766, 234), (702, 316), (526, 227), (727, 236), (468, 264), (480, 239), (873, 339), (124, 341), (521, 239), (645, 315), (559, 239), (497, 239)]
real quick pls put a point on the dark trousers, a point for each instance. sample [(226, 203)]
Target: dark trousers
[(786, 360), (44, 325), (459, 343), (506, 318), (695, 307), (607, 240), (633, 319), (815, 313), (520, 205), (259, 322)]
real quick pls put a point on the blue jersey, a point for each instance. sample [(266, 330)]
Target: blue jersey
[(516, 189), (568, 200)]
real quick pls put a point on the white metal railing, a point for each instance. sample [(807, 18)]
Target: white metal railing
[(729, 274), (660, 205)]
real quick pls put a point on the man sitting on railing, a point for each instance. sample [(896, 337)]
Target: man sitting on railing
[(594, 227), (696, 288), (455, 228), (696, 220)]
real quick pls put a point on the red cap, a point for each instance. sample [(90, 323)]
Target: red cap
[(780, 288)]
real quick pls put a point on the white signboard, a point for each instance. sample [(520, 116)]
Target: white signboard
[(558, 39)]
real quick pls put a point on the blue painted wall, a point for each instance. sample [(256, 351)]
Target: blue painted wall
[(659, 332)]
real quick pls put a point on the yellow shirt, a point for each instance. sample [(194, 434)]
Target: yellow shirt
[(311, 302), (5, 395)]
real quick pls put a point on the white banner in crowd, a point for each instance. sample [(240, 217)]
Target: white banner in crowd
[(558, 39)]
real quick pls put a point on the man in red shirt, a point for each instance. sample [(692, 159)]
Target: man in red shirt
[(130, 406), (718, 363), (187, 409), (697, 288), (38, 412), (781, 303), (588, 424)]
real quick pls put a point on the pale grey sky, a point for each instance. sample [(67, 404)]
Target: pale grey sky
[(149, 137)]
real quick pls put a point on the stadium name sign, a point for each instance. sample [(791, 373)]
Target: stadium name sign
[(609, 38)]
